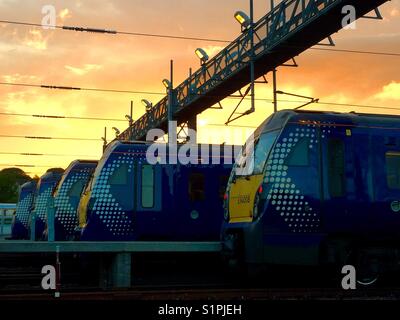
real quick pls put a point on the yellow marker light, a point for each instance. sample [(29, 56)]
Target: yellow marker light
[(147, 104), (242, 18), (203, 56), (167, 84), (348, 132)]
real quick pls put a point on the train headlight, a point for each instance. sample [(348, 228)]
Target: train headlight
[(226, 206), (226, 214), (256, 209), (259, 200)]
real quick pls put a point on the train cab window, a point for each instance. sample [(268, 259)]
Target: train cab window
[(336, 168), (243, 160), (262, 150), (76, 189), (56, 186), (393, 169), (119, 176), (196, 187), (148, 186), (300, 155), (254, 155), (89, 183)]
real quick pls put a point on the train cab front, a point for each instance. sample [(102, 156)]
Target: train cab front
[(245, 200), (19, 227), (106, 205), (67, 196), (272, 204), (45, 192)]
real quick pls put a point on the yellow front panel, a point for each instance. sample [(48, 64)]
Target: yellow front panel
[(82, 208), (241, 198)]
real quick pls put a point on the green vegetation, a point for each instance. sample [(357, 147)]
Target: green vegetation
[(10, 180)]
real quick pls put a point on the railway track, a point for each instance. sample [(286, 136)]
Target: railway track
[(216, 294), (20, 279)]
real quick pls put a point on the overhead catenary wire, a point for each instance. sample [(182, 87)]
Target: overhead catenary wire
[(59, 116), (344, 105), (353, 51), (56, 87), (114, 32), (168, 36), (230, 126), (376, 53), (160, 93), (46, 154), (49, 138), (109, 119), (25, 165)]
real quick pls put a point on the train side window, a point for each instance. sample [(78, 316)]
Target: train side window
[(196, 187), (300, 155), (393, 169), (148, 186), (76, 189), (336, 167), (119, 176)]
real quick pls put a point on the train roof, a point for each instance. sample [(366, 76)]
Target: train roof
[(30, 184), (80, 164), (356, 116), (141, 145), (280, 118), (50, 176)]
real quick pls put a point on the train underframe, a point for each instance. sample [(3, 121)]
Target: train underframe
[(372, 257)]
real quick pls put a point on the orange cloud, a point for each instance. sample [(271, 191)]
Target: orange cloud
[(36, 40), (390, 91), (84, 70), (395, 12), (65, 14)]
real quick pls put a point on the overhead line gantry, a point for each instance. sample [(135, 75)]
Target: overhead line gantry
[(289, 29)]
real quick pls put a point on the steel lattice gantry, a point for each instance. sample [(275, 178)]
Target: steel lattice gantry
[(289, 29)]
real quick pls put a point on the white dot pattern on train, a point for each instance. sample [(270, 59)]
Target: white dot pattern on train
[(65, 213), (106, 207), (284, 195), (41, 202), (23, 212)]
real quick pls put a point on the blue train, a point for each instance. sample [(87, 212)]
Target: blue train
[(26, 199), (323, 189), (45, 189), (130, 199), (67, 196)]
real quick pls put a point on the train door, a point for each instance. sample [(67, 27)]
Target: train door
[(338, 171), (386, 181), (149, 188), (148, 218), (348, 184), (199, 206), (248, 176)]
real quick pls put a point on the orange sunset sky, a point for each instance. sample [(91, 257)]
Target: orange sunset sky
[(56, 57)]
